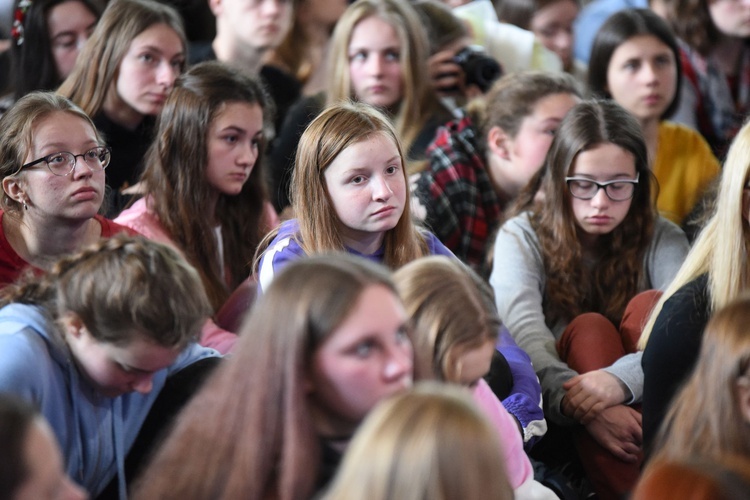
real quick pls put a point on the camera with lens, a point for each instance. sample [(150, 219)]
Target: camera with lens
[(480, 69)]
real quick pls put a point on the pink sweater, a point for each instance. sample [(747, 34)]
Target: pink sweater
[(140, 218), (517, 464)]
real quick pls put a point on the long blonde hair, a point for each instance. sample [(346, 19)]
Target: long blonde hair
[(721, 248), (431, 442), (451, 309), (419, 101)]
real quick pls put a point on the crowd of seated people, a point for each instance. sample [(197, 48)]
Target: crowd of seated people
[(375, 249)]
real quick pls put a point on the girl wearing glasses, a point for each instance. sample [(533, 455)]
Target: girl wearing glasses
[(565, 270), (635, 62), (52, 163)]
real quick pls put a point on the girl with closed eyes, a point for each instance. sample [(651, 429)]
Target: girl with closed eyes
[(570, 267)]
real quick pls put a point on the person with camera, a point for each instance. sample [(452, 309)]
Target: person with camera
[(459, 71)]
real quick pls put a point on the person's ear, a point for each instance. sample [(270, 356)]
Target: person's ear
[(499, 143), (216, 7), (14, 187), (72, 325), (743, 397)]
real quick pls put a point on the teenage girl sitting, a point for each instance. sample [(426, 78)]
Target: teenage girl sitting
[(565, 270)]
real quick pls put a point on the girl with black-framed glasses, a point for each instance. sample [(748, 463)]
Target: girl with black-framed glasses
[(569, 269)]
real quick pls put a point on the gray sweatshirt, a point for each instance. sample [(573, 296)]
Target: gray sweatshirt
[(518, 278)]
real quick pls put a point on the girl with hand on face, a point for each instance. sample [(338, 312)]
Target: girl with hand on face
[(283, 408), (712, 36), (52, 163), (454, 336), (350, 193), (552, 23), (32, 464), (478, 164), (635, 62), (427, 428), (92, 343), (47, 38), (714, 274), (204, 187), (565, 272), (123, 78), (378, 56)]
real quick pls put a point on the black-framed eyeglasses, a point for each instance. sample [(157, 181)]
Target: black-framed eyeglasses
[(616, 190), (63, 163)]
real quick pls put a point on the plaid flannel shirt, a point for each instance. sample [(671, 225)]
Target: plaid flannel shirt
[(462, 207)]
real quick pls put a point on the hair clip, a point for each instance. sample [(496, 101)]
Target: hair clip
[(19, 17)]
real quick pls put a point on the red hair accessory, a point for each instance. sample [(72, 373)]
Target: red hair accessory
[(18, 18)]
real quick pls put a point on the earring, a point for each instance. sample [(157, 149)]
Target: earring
[(25, 206)]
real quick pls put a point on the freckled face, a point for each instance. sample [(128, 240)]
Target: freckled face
[(367, 358), (367, 187)]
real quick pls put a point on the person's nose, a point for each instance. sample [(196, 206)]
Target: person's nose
[(600, 199), (400, 362), (381, 189)]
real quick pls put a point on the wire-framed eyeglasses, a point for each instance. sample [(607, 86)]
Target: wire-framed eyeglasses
[(616, 190), (63, 163)]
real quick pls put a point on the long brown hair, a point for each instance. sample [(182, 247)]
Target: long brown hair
[(249, 433), (572, 288), (175, 177), (431, 442)]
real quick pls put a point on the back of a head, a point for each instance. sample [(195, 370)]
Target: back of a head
[(121, 287), (451, 309), (430, 442)]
